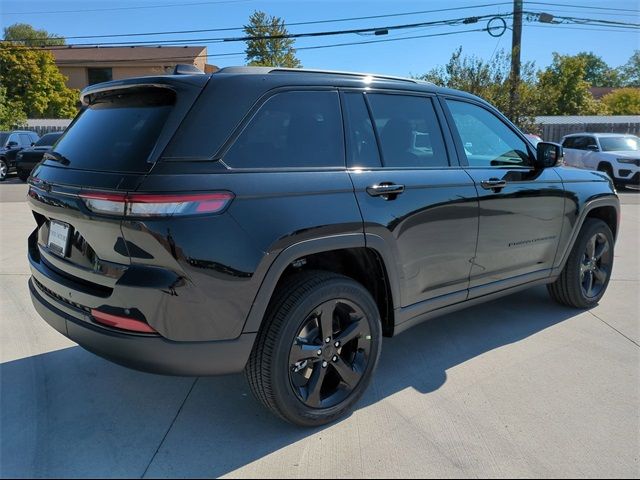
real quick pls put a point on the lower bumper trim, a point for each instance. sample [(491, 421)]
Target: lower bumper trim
[(148, 353)]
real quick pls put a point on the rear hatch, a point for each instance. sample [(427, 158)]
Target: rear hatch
[(107, 150)]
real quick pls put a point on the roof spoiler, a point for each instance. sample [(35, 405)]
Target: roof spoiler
[(187, 69)]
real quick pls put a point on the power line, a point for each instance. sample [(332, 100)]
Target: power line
[(128, 8), (314, 47), (582, 6), (451, 22), (286, 25)]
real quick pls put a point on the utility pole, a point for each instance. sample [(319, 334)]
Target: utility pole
[(516, 42)]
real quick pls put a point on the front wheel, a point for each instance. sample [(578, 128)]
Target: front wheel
[(586, 274), (4, 169), (315, 355)]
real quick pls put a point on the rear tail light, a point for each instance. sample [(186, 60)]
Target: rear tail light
[(123, 323), (156, 205)]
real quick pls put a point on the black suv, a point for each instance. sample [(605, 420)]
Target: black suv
[(29, 157), (281, 222), (10, 144)]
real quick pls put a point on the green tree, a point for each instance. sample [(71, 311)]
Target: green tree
[(11, 112), (269, 52), (31, 77), (623, 101), (490, 80), (597, 72), (563, 89), (25, 34), (630, 72)]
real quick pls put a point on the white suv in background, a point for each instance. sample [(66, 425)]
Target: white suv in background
[(618, 155)]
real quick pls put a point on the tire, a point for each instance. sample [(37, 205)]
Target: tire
[(573, 287), (4, 169), (291, 353), (23, 175)]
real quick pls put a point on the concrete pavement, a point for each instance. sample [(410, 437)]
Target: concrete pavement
[(519, 387)]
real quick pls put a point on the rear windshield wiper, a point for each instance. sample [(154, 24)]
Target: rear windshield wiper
[(57, 157)]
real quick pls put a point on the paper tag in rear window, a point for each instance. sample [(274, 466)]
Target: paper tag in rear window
[(59, 234)]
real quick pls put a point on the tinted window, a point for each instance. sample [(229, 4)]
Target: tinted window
[(292, 130), (363, 148), (4, 137), (25, 140), (48, 139), (409, 132), (487, 140), (569, 142), (99, 75), (117, 133)]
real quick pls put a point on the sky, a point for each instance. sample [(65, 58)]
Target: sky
[(399, 57)]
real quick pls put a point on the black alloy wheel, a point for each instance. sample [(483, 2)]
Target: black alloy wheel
[(317, 349), (596, 265), (330, 353)]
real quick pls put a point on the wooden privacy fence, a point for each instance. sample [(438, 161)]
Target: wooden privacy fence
[(554, 128)]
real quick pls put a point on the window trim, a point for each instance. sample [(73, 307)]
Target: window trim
[(462, 157), (253, 111), (447, 138)]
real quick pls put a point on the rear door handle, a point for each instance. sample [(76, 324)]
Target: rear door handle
[(386, 190), (493, 184)]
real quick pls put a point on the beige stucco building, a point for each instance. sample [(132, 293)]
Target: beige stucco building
[(85, 66)]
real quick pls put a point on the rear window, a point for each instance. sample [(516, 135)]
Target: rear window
[(117, 132)]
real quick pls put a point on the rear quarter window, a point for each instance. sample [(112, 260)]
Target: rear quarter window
[(297, 129)]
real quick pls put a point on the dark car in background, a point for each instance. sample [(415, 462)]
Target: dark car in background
[(10, 144), (28, 158), (281, 222)]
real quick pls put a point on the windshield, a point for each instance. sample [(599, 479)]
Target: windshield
[(620, 144), (117, 132), (48, 140)]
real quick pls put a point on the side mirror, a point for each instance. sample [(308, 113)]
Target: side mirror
[(593, 148), (548, 155), (12, 144)]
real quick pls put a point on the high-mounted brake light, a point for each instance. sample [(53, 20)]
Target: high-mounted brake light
[(153, 205), (123, 323)]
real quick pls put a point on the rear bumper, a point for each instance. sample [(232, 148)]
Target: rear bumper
[(149, 353)]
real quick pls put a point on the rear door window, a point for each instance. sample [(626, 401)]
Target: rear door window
[(116, 133), (296, 129), (363, 148), (409, 131)]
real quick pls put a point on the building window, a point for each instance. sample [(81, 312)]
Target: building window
[(97, 75)]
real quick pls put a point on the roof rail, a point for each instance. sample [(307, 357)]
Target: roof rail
[(268, 70)]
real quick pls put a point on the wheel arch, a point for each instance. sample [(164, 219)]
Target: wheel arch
[(605, 208), (347, 254)]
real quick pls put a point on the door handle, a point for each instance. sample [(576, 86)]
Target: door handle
[(493, 184), (386, 190)]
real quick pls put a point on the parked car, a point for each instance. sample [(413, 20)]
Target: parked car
[(10, 144), (617, 155), (29, 157), (280, 222)]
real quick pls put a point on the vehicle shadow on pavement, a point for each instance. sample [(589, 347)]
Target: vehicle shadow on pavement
[(69, 413)]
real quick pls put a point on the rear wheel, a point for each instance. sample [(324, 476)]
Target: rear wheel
[(317, 350), (586, 274), (4, 169)]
